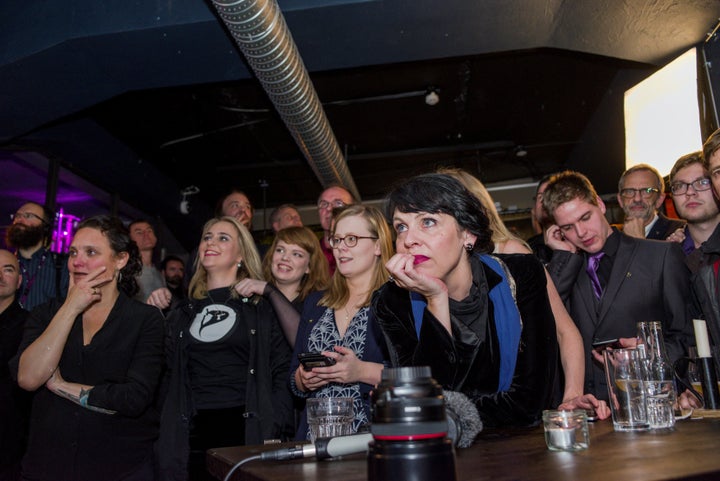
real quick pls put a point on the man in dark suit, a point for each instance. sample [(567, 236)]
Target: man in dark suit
[(641, 192), (635, 279)]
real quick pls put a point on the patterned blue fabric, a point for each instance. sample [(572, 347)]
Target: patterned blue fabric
[(323, 337), (508, 324)]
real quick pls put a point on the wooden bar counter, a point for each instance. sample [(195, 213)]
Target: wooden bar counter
[(691, 451)]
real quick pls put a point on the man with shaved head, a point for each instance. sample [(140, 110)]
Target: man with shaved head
[(15, 402)]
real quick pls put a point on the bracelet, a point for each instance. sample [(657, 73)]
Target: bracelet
[(84, 395)]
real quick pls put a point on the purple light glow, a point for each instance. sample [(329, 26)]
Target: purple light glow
[(65, 225)]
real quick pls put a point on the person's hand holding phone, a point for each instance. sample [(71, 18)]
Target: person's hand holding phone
[(308, 379)]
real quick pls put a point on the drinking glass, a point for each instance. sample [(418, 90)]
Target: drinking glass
[(626, 389), (329, 416)]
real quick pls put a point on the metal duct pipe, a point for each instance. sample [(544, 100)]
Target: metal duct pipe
[(260, 32)]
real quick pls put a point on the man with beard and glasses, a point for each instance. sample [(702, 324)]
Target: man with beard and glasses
[(44, 273), (641, 192)]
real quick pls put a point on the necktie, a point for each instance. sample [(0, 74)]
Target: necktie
[(592, 267)]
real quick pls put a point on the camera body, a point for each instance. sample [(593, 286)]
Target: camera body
[(409, 428)]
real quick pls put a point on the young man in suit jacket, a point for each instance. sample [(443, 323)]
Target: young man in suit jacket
[(636, 279)]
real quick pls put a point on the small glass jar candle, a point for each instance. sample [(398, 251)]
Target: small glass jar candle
[(566, 430)]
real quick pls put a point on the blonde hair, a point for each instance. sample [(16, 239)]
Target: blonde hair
[(251, 266), (338, 294), (500, 233), (318, 277)]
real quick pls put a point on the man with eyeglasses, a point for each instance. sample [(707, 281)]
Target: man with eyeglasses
[(44, 273), (334, 197), (695, 202), (705, 281), (641, 192)]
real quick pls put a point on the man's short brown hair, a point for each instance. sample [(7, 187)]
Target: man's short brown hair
[(567, 186)]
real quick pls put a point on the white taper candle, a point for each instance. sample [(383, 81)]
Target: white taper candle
[(701, 338)]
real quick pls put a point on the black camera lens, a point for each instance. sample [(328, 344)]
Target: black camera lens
[(407, 403), (409, 428)]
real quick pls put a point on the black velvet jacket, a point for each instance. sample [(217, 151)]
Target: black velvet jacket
[(469, 360)]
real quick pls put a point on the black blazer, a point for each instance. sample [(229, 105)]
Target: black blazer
[(663, 227), (648, 282)]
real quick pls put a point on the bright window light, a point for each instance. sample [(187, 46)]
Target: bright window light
[(662, 121)]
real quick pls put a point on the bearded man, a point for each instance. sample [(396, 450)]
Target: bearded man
[(44, 273), (641, 192)]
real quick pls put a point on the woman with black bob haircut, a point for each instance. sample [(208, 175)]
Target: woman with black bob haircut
[(482, 322), (95, 359)]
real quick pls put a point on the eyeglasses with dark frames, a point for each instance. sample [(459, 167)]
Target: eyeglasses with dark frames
[(350, 240), (698, 185), (645, 192), (27, 216)]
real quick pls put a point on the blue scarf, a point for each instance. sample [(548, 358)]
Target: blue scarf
[(507, 321)]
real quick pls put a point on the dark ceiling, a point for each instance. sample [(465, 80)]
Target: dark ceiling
[(146, 98)]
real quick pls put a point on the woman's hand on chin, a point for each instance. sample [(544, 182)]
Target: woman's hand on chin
[(402, 268), (88, 290)]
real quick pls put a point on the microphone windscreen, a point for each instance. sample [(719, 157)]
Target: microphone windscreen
[(464, 422)]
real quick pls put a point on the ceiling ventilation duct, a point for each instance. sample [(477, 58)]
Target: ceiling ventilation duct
[(260, 32)]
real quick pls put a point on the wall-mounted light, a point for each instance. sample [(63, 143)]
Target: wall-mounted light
[(185, 203), (432, 97)]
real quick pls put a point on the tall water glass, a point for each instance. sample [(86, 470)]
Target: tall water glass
[(626, 390)]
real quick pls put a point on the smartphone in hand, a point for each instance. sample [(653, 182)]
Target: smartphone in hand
[(310, 360), (601, 345)]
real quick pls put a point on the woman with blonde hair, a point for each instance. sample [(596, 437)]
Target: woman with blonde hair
[(338, 324), (569, 339), (293, 267), (227, 359)]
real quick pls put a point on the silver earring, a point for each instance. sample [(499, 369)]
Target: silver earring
[(469, 247), (119, 276), (239, 264)]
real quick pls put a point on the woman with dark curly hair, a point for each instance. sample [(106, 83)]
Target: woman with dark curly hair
[(482, 322), (95, 359)]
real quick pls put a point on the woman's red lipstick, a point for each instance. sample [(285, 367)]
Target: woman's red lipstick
[(420, 259)]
